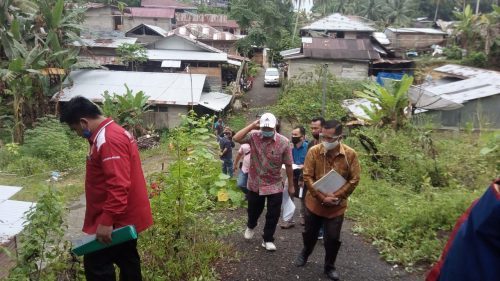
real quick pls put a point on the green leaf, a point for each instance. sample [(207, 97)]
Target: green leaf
[(224, 177), (220, 183)]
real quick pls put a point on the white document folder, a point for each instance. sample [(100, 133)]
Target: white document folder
[(330, 183)]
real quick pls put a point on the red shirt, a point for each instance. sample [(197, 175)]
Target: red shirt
[(115, 187)]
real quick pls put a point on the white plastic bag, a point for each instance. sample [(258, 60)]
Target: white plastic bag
[(287, 205)]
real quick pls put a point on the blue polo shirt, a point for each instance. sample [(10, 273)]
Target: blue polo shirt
[(299, 154)]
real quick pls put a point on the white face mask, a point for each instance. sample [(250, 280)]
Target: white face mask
[(330, 145)]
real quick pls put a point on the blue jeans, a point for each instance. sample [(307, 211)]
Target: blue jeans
[(227, 167), (242, 181)]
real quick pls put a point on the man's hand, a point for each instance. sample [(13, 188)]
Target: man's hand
[(330, 201), (103, 233), (497, 187), (256, 124)]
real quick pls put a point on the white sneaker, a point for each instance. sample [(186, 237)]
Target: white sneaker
[(269, 246), (249, 233)]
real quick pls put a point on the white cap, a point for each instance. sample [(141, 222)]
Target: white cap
[(267, 120)]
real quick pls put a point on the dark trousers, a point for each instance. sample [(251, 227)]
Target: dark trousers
[(99, 265), (332, 228), (256, 204)]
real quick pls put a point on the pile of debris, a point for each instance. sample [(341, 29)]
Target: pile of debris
[(148, 141)]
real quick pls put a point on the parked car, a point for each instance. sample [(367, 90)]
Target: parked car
[(272, 77)]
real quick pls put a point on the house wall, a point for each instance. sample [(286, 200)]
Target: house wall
[(165, 116), (174, 112), (131, 22), (482, 113), (214, 76), (228, 47), (413, 41), (344, 69), (99, 19)]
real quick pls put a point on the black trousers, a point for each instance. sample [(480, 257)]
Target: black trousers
[(99, 265), (256, 204), (332, 228)]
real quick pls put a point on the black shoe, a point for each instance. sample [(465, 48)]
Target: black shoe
[(332, 274), (301, 260)]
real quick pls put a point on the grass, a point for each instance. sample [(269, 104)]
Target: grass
[(236, 122), (407, 227), (71, 184)]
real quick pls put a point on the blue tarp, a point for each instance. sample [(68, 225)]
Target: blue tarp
[(389, 75)]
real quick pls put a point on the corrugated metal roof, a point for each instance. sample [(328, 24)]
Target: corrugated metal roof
[(354, 106), (338, 22), (166, 4), (464, 71), (381, 38), (215, 101), (12, 213), (189, 39), (417, 30), (161, 55), (162, 88), (215, 20), (161, 13), (329, 48), (290, 52), (200, 31), (105, 42), (482, 83)]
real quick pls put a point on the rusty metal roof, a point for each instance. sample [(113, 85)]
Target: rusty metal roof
[(162, 13), (166, 4), (329, 48)]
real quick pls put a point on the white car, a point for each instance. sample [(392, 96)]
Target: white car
[(272, 77)]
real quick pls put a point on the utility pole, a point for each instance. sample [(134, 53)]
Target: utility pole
[(477, 6), (323, 104)]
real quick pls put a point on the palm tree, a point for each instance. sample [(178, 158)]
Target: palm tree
[(399, 12)]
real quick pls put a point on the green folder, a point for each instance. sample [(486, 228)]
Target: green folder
[(88, 244)]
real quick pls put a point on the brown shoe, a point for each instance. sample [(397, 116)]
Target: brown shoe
[(287, 224)]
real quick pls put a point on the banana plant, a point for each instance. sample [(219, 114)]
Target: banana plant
[(388, 102)]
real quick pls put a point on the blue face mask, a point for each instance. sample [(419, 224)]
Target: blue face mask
[(268, 134), (86, 133)]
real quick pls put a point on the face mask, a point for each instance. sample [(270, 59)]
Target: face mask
[(267, 134), (86, 133), (296, 140), (330, 145)]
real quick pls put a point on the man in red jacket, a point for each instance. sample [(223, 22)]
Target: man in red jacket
[(115, 190)]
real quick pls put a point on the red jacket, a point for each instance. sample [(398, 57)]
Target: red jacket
[(115, 187)]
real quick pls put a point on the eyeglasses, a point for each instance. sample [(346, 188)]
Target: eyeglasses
[(329, 139)]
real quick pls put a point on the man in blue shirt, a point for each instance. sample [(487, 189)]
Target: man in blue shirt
[(299, 152), (226, 153)]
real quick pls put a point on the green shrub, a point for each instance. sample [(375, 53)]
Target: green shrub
[(185, 240), (28, 166), (453, 53), (408, 228), (55, 143), (478, 59), (300, 100), (8, 154)]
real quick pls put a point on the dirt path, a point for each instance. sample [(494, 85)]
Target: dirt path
[(357, 261)]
